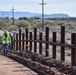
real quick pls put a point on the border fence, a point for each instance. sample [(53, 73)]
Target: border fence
[(21, 41)]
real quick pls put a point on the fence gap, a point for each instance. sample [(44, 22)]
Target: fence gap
[(16, 41), (9, 44), (22, 41), (54, 46), (12, 43)]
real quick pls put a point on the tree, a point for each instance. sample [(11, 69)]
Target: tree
[(23, 18)]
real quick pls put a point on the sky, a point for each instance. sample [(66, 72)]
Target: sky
[(33, 6)]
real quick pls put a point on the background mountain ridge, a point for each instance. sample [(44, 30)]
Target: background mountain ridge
[(19, 14)]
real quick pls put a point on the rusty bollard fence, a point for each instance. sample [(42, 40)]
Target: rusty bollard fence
[(21, 40)]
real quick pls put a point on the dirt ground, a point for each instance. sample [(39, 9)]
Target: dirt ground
[(10, 67)]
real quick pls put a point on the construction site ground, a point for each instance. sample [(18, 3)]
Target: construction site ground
[(11, 67)]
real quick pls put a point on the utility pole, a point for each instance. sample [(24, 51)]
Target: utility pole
[(42, 13), (13, 14)]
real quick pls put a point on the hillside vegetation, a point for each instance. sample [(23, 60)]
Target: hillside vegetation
[(23, 22)]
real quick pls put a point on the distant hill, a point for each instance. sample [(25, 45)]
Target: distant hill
[(55, 16), (28, 14)]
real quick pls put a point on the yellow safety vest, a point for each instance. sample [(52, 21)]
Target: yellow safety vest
[(6, 40)]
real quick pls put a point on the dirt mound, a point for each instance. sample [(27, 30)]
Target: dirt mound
[(46, 65)]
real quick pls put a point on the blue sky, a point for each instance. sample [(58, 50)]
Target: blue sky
[(51, 7)]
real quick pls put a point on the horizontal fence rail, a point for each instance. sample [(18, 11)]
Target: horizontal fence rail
[(31, 41), (51, 43)]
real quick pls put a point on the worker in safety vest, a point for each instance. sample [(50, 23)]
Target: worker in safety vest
[(5, 41)]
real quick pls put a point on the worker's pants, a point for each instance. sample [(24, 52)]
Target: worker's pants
[(5, 49)]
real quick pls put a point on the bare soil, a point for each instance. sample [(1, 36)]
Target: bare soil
[(10, 67)]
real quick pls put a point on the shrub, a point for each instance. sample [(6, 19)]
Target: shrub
[(3, 24), (22, 23)]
